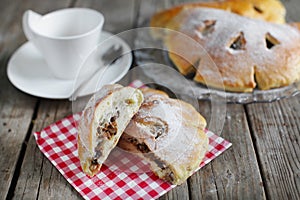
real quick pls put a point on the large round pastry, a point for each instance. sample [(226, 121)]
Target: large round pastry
[(248, 53)]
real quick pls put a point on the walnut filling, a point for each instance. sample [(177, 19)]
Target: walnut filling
[(108, 129), (132, 140), (98, 150), (94, 165), (158, 129), (142, 147), (105, 130), (164, 172), (157, 126), (170, 177), (94, 162), (160, 167), (150, 103)]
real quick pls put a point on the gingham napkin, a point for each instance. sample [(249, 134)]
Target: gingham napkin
[(58, 143)]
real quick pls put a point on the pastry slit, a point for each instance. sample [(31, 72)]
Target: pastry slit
[(271, 41), (239, 43), (208, 27), (257, 9)]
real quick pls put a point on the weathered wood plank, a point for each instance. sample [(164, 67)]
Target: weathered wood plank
[(38, 177), (148, 8), (234, 174), (16, 107), (119, 14), (202, 185), (16, 113), (237, 172), (179, 193), (276, 131)]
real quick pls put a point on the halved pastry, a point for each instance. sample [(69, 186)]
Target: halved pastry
[(103, 121), (169, 134)]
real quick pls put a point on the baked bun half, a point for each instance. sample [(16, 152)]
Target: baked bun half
[(103, 121), (168, 134)]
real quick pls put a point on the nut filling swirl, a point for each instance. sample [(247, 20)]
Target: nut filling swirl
[(105, 130), (108, 129), (163, 166)]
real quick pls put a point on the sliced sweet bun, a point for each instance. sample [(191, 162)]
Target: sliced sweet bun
[(169, 135), (268, 10), (103, 122), (246, 52)]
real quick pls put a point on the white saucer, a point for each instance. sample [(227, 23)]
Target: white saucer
[(28, 71)]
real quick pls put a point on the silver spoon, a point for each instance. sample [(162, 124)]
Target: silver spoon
[(110, 57)]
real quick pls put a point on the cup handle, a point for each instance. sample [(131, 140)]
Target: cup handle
[(29, 17)]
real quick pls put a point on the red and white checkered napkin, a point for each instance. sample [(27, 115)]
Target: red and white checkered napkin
[(58, 143)]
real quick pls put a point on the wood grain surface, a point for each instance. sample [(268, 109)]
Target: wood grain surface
[(276, 128), (263, 163), (17, 109), (235, 174)]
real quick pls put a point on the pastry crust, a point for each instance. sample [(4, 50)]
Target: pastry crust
[(169, 135), (268, 10), (295, 24), (246, 52), (147, 92), (102, 122)]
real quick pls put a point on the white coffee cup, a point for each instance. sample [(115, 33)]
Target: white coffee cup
[(64, 37)]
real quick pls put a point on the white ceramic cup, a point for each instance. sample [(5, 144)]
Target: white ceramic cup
[(64, 37)]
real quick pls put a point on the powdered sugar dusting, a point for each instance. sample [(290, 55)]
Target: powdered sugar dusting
[(236, 65), (180, 134)]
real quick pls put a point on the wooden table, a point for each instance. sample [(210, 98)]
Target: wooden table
[(263, 163)]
